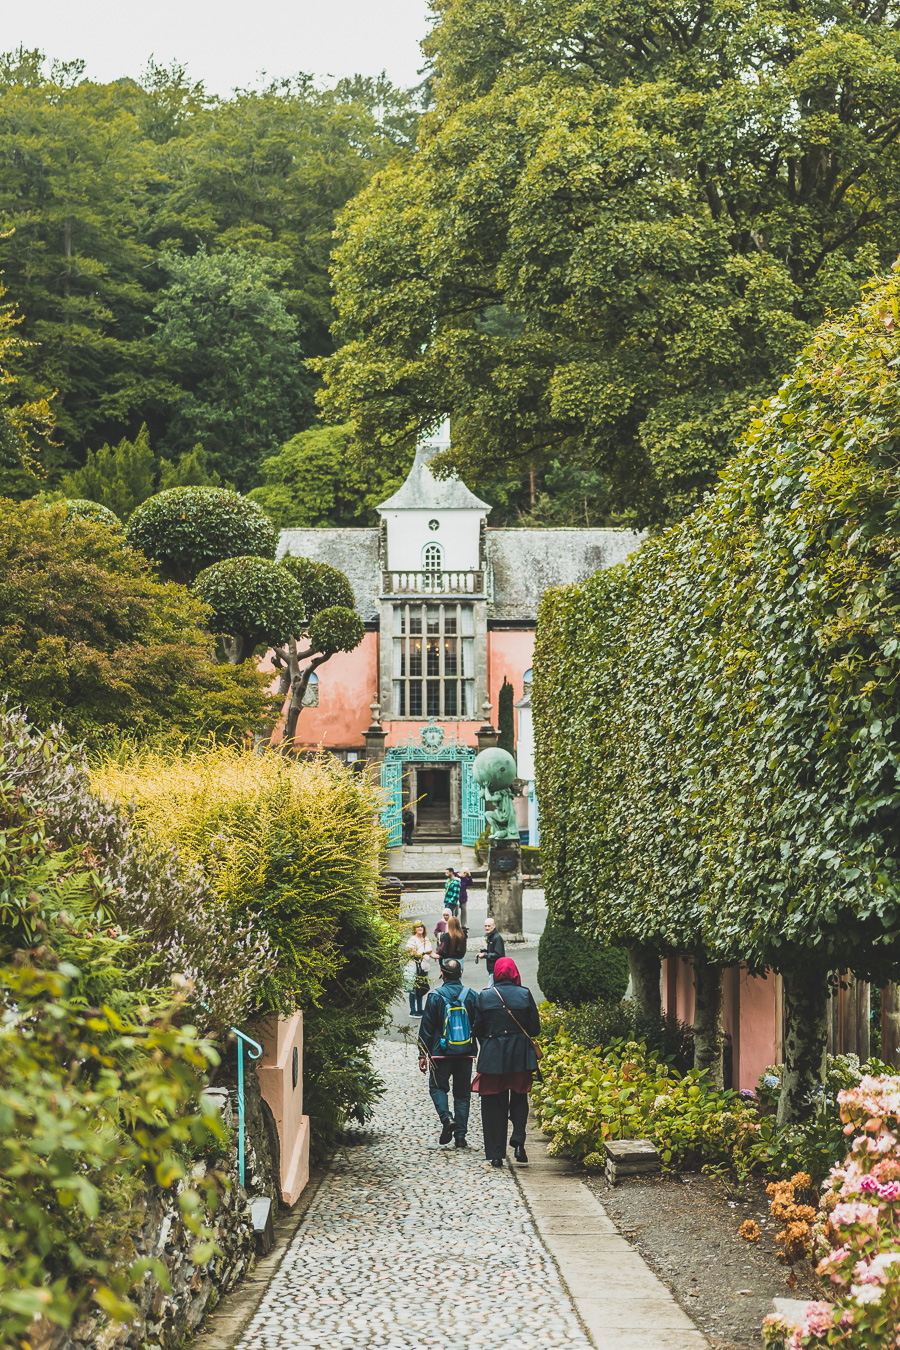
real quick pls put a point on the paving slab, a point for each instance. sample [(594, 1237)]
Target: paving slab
[(621, 1303)]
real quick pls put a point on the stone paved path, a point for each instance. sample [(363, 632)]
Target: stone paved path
[(369, 1266)]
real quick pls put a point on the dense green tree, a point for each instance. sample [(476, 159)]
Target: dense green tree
[(227, 329), (506, 718), (26, 428), (89, 638), (663, 201), (721, 712), (123, 476), (99, 181), (317, 478)]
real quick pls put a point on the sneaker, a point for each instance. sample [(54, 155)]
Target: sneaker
[(446, 1132), (521, 1155), (461, 1143)]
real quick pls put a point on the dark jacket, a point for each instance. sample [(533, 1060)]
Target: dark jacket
[(451, 948), (495, 948), (431, 1026), (503, 1047)]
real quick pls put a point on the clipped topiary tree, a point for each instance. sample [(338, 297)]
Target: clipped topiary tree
[(82, 509), (254, 602), (574, 969), (334, 626), (302, 610), (187, 529)]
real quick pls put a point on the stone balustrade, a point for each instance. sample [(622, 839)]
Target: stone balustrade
[(432, 583)]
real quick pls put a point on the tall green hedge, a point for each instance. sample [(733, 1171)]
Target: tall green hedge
[(717, 720)]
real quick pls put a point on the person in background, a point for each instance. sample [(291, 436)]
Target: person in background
[(453, 943), (447, 1049), (494, 947), (440, 927), (416, 981), (505, 1024), (451, 890), (464, 877), (409, 824)]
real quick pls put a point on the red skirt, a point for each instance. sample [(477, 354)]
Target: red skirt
[(486, 1084)]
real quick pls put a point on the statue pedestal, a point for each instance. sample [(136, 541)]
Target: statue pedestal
[(504, 888)]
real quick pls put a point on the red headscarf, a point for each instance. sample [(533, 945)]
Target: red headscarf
[(505, 969)]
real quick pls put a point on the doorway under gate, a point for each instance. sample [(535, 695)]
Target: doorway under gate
[(433, 773)]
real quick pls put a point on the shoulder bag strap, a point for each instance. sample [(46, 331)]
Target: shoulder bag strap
[(537, 1048)]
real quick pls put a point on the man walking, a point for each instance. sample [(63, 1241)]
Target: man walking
[(494, 947), (447, 1051), (409, 823), (451, 891)]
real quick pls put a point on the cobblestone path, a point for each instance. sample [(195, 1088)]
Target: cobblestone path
[(408, 1245)]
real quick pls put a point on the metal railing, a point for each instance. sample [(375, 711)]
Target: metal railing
[(432, 583), (242, 1038)]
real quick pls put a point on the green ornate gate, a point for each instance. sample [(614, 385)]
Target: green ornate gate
[(432, 746)]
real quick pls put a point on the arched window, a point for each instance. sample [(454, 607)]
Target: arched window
[(311, 697), (432, 558), (526, 680)]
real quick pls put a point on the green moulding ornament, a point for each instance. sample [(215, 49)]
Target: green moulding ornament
[(495, 772)]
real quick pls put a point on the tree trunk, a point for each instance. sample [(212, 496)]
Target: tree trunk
[(890, 1024), (644, 964), (709, 1035), (284, 686), (805, 1036)]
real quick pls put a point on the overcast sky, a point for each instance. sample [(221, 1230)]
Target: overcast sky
[(226, 42)]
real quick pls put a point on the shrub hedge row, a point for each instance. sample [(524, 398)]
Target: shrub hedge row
[(717, 720)]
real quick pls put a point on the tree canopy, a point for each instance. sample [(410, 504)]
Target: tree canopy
[(99, 183), (620, 225), (88, 638)]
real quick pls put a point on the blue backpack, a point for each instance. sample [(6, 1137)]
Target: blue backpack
[(456, 1037)]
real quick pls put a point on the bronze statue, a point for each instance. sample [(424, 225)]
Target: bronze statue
[(495, 771)]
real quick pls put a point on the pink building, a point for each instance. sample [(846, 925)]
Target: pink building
[(450, 606)]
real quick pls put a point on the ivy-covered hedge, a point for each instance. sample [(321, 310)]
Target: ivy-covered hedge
[(720, 716)]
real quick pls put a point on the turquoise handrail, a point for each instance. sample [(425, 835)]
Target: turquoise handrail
[(242, 1038)]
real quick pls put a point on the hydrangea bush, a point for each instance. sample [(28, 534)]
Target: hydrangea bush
[(625, 1092), (857, 1235)]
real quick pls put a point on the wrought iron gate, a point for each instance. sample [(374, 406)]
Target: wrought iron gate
[(391, 816), (472, 805)]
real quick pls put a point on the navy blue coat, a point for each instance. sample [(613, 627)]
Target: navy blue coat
[(503, 1047)]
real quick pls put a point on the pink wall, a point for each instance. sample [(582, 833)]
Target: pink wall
[(751, 1014), (402, 731), (347, 685), (509, 654), (280, 1038)]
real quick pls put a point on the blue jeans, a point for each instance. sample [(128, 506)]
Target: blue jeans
[(459, 1068)]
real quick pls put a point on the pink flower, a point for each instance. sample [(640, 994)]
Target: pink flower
[(890, 1190), (868, 1184), (854, 1211), (818, 1319)]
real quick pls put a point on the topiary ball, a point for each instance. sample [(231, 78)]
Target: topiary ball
[(574, 969), (187, 529), (252, 598), (82, 509)]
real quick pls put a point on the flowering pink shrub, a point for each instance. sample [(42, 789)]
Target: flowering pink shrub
[(857, 1234)]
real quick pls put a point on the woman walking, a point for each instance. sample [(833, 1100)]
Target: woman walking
[(453, 943), (506, 1022), (416, 980)]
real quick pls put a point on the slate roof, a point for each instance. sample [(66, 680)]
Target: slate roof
[(523, 563), (423, 492), (353, 551)]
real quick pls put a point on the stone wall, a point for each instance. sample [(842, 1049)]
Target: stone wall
[(168, 1317)]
